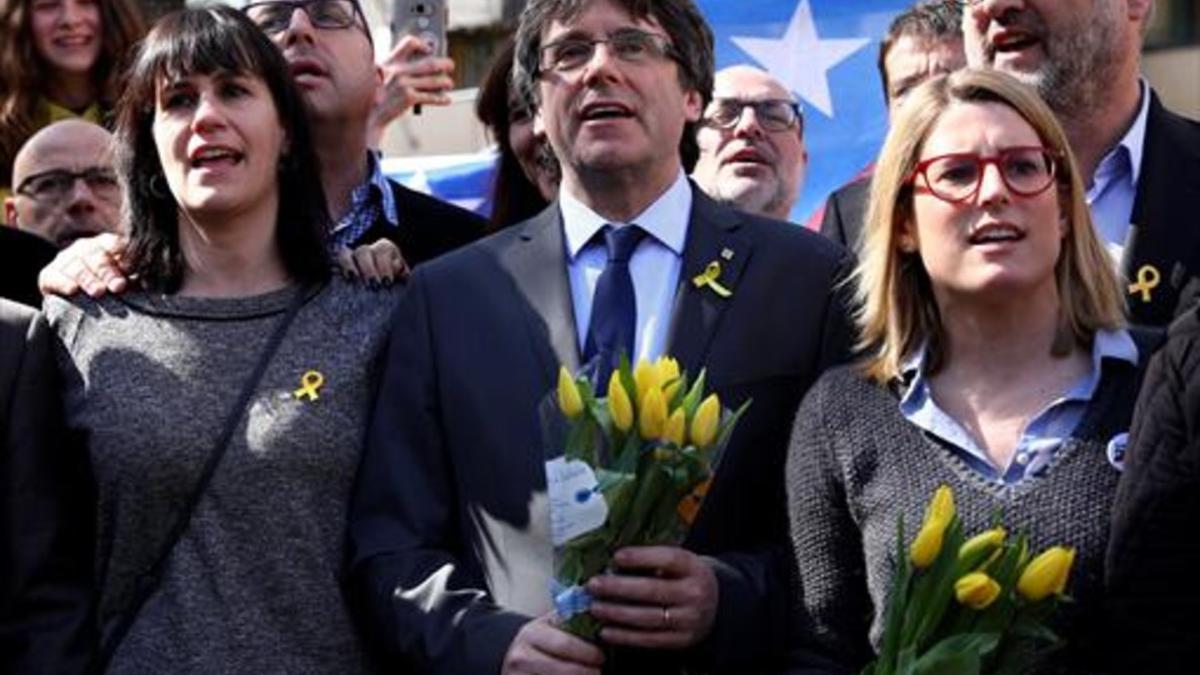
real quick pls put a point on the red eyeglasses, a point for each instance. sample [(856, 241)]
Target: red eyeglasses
[(956, 177)]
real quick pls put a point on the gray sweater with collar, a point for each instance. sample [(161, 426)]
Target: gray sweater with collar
[(855, 463)]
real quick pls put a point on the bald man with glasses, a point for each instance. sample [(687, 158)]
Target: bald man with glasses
[(751, 139)]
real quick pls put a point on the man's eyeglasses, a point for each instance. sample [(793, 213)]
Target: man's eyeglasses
[(58, 183), (628, 45), (274, 16), (776, 114), (1026, 171)]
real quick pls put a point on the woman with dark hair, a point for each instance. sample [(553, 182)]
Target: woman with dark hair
[(527, 172), (59, 59), (223, 402)]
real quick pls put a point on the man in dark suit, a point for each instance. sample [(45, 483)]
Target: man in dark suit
[(921, 42), (45, 545), (449, 551), (332, 59), (1138, 160)]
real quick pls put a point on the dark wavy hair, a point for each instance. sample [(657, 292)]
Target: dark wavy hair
[(205, 41), (22, 72), (691, 38), (514, 196)]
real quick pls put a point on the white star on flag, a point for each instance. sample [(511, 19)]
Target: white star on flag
[(801, 59)]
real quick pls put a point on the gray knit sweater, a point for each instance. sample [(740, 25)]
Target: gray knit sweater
[(252, 586), (855, 463)]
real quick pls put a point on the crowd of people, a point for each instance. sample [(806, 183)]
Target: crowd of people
[(278, 413)]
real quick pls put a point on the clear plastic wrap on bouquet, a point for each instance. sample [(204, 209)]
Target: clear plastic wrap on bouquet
[(627, 464)]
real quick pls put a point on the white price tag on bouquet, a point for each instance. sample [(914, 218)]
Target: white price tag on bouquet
[(576, 505)]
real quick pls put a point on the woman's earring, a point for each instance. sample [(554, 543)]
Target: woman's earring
[(158, 187)]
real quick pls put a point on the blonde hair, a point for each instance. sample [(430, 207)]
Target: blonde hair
[(897, 311)]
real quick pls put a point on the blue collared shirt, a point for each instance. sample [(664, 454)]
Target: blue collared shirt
[(368, 202), (1114, 187), (654, 266), (1043, 435)]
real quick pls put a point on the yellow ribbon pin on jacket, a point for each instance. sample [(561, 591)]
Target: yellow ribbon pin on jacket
[(1147, 279), (709, 278)]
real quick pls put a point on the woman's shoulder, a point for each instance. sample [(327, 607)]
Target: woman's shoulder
[(842, 397), (355, 301), (845, 384), (66, 315)]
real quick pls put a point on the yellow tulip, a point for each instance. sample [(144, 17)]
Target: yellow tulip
[(676, 427), (670, 390), (1046, 574), (645, 375), (668, 369), (619, 405), (976, 590), (652, 417), (982, 542), (706, 421), (941, 507), (569, 400), (925, 548), (928, 544)]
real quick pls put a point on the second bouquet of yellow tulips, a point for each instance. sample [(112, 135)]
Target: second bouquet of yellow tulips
[(629, 468), (969, 606)]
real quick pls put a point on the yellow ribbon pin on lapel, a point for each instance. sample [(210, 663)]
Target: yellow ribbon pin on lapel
[(1147, 279), (310, 383), (709, 278)]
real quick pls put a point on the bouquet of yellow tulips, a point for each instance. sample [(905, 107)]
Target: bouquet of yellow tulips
[(627, 469), (969, 605)]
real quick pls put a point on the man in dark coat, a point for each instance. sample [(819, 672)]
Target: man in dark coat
[(921, 42), (450, 556), (45, 516), (1138, 160)]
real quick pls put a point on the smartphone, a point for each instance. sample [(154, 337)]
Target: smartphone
[(427, 19)]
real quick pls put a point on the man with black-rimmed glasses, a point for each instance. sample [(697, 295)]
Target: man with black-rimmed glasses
[(65, 185), (751, 138), (450, 548)]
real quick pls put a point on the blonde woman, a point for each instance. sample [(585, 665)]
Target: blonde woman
[(996, 362)]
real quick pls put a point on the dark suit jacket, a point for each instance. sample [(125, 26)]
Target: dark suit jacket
[(845, 211), (22, 256), (428, 227), (449, 548), (1165, 226), (45, 540)]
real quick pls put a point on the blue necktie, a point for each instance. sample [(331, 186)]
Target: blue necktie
[(614, 308)]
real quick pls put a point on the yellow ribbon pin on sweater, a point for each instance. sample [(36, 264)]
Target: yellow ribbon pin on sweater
[(709, 278), (311, 383)]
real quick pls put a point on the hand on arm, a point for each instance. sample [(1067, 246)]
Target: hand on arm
[(92, 265), (672, 607)]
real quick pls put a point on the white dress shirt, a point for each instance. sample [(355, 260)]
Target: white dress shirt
[(654, 266)]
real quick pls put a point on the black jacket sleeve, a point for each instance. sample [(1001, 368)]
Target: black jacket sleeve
[(46, 512), (1154, 549)]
